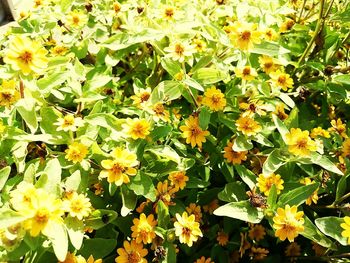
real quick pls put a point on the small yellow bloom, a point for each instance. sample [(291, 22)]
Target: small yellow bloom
[(22, 197), (199, 45), (77, 19), (279, 111), (141, 97), (120, 167), (214, 99), (233, 156), (131, 253), (195, 210), (257, 232), (180, 51), (222, 238), (76, 152), (193, 133), (8, 93), (165, 193), (265, 183), (178, 179), (288, 223), (204, 260), (346, 148), (318, 131), (314, 197), (258, 253), (299, 142), (143, 229), (247, 73), (270, 34), (346, 227), (244, 35), (137, 128), (287, 25), (77, 205), (247, 125), (59, 50), (26, 55), (69, 123), (160, 113), (339, 127), (268, 64), (281, 80), (187, 229)]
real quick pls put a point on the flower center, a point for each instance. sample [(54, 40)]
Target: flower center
[(42, 216), (134, 257), (76, 206), (117, 7), (195, 131), (246, 71), (144, 96), (76, 20), (246, 35), (118, 168), (215, 99), (302, 143), (179, 49), (268, 65), (186, 231), (26, 57), (169, 12), (282, 80)]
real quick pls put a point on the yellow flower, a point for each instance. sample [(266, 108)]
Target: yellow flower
[(8, 93), (314, 197), (59, 50), (179, 51), (26, 55), (233, 156), (77, 19), (287, 25), (165, 193), (143, 229), (247, 73), (131, 253), (199, 45), (45, 213), (265, 183), (193, 133), (270, 34), (187, 229), (257, 232), (22, 196), (299, 142), (318, 131), (281, 80), (279, 111), (339, 127), (346, 148), (76, 152), (137, 128), (288, 223), (258, 253), (141, 97), (70, 258), (293, 250), (247, 125), (69, 123), (195, 210), (204, 260), (178, 179), (160, 113), (222, 238), (77, 205), (244, 35), (118, 170), (214, 99), (268, 64), (346, 227)]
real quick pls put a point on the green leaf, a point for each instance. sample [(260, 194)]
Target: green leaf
[(330, 226), (292, 121), (274, 161), (193, 83), (233, 192), (166, 91), (163, 215), (247, 176), (204, 118), (142, 185), (203, 62), (242, 210), (4, 175), (269, 48), (100, 217), (341, 187), (75, 229), (72, 182), (50, 179), (98, 247), (311, 232), (129, 200), (59, 239), (272, 198), (170, 255), (324, 162), (160, 132), (281, 127), (9, 217), (26, 108), (208, 76), (343, 79), (297, 196), (259, 138), (242, 143), (171, 66)]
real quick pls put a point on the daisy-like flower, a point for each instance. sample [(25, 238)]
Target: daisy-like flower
[(178, 179), (143, 229), (77, 19), (180, 51), (131, 253), (287, 25), (193, 133), (76, 152), (257, 232), (346, 148), (160, 113), (314, 197), (318, 131), (222, 238), (214, 99), (246, 73), (268, 64), (244, 35), (8, 93), (26, 55), (346, 227), (165, 193), (69, 123), (187, 229), (233, 156), (258, 253), (193, 209), (339, 127), (247, 125), (77, 205), (288, 223), (22, 196), (137, 128), (265, 183), (141, 97), (204, 260), (59, 50), (120, 167), (279, 111), (299, 142), (281, 80), (254, 107), (169, 13), (199, 45)]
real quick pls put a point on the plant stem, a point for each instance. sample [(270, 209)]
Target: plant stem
[(301, 11), (341, 199)]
